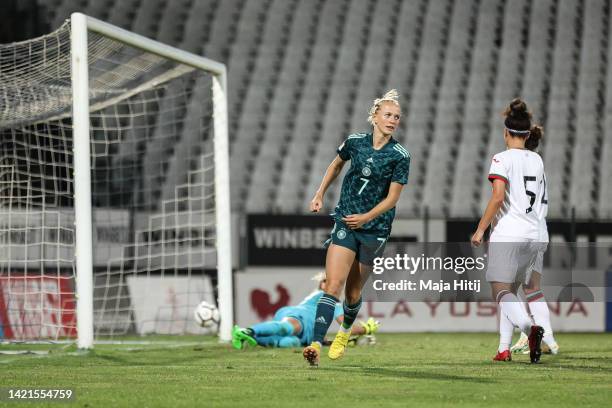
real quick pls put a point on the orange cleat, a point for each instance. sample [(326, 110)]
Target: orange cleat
[(312, 354)]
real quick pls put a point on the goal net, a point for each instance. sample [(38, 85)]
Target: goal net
[(114, 202)]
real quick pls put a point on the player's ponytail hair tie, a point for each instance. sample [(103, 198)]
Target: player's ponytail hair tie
[(391, 96)]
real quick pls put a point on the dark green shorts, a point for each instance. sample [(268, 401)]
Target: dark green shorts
[(366, 245)]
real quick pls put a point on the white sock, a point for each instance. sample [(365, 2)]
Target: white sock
[(541, 315), (513, 308), (506, 329), (343, 330)]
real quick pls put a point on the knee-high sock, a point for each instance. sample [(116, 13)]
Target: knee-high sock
[(324, 316), (350, 314), (506, 329), (541, 314), (272, 328), (514, 310)]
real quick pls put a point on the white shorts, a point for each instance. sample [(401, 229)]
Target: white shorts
[(538, 263), (511, 259)]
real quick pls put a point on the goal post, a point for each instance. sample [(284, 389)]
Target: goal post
[(82, 180), (141, 141)]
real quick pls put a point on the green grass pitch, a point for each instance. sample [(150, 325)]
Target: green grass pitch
[(401, 370)]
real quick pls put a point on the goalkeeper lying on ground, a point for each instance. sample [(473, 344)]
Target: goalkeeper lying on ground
[(293, 326)]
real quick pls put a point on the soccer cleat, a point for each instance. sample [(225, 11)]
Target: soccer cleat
[(312, 354), (338, 346), (236, 342), (521, 345), (550, 348), (503, 356), (535, 342), (239, 336)]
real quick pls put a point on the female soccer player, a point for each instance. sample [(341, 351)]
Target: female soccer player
[(514, 211), (366, 208), (536, 302)]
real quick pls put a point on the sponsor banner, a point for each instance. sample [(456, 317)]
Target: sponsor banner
[(297, 240), (165, 305), (29, 240), (111, 235), (481, 316), (175, 240), (112, 311), (34, 307), (259, 293), (609, 300)]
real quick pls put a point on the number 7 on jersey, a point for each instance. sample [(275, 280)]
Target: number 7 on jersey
[(365, 183)]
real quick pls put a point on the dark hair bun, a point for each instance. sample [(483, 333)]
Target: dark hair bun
[(518, 108), (535, 135), (517, 116)]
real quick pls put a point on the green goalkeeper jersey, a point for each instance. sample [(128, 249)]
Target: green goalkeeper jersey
[(368, 179)]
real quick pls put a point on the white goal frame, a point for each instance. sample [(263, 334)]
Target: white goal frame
[(80, 24)]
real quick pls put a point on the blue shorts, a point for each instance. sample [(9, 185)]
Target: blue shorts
[(366, 245)]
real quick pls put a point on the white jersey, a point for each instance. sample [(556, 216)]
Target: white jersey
[(521, 214)]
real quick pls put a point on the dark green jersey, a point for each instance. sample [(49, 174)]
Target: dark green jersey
[(367, 181)]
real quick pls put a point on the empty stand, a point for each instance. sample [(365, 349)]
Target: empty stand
[(470, 172), (448, 122), (421, 109), (302, 75), (589, 110), (310, 109), (508, 81), (560, 107)]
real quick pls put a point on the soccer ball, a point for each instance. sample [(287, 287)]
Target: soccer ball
[(206, 314)]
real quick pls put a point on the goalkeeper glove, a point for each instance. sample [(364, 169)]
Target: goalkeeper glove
[(371, 326)]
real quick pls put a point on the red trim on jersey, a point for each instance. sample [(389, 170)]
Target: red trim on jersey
[(498, 177), (536, 297)]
